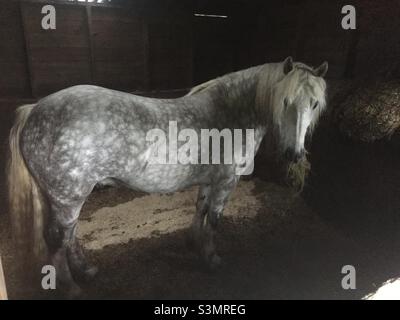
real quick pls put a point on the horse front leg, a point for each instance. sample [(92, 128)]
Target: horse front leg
[(202, 206), (219, 195)]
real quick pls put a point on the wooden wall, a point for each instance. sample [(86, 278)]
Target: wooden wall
[(378, 44), (119, 49), (170, 53), (310, 31), (213, 44), (13, 63), (126, 48), (57, 58), (159, 45)]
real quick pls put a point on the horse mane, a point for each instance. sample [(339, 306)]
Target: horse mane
[(269, 74), (226, 79), (269, 97), (203, 86)]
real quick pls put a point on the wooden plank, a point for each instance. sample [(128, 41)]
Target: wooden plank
[(3, 289), (146, 52), (54, 54), (119, 45), (71, 26), (14, 78), (351, 56), (122, 15), (126, 67), (113, 55), (57, 58), (63, 13), (27, 51), (89, 35), (132, 27), (53, 71), (12, 53), (110, 37), (57, 40)]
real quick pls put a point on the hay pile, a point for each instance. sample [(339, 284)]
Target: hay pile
[(371, 112), (271, 165), (296, 174)]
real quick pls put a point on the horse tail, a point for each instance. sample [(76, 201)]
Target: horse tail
[(26, 202)]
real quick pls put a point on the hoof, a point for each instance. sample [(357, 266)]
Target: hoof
[(91, 272), (85, 274), (193, 242), (213, 262), (190, 242), (74, 292)]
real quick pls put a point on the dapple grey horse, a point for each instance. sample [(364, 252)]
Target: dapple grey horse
[(69, 141)]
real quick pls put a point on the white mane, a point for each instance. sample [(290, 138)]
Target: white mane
[(202, 86), (273, 87)]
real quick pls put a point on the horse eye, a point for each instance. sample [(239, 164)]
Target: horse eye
[(315, 105)]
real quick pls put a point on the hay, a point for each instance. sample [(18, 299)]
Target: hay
[(297, 173), (272, 165), (371, 112)]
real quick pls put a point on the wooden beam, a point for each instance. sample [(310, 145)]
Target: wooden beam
[(89, 31), (27, 50), (301, 36), (3, 289), (146, 41), (351, 57), (74, 3)]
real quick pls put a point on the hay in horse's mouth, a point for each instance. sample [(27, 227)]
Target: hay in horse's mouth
[(296, 173)]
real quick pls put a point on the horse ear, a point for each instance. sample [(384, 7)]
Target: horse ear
[(287, 65), (321, 70)]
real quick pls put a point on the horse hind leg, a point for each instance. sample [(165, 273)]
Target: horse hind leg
[(65, 252), (58, 236), (80, 267)]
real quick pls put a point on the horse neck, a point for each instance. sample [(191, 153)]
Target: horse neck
[(230, 101), (241, 91)]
